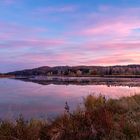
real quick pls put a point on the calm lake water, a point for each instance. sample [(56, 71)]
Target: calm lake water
[(41, 101)]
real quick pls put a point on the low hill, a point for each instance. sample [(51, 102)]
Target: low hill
[(128, 70)]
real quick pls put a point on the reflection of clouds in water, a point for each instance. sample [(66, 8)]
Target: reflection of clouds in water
[(34, 100)]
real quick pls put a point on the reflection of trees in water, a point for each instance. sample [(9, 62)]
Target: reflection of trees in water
[(107, 82)]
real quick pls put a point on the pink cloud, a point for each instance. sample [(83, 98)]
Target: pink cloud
[(88, 53), (118, 58), (73, 59), (36, 43), (107, 23), (110, 46), (17, 36), (40, 59), (114, 28), (17, 30)]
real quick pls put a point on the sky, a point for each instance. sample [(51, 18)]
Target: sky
[(36, 33)]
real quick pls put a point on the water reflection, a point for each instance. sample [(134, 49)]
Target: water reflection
[(36, 100)]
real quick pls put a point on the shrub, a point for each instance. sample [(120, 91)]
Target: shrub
[(99, 119)]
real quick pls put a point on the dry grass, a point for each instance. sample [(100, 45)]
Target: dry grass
[(99, 119)]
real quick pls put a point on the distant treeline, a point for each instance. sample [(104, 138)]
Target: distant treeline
[(129, 70), (6, 75)]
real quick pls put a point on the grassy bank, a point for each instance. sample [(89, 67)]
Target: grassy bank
[(96, 119)]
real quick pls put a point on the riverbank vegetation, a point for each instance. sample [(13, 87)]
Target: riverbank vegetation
[(97, 118)]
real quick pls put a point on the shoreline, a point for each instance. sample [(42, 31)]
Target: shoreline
[(109, 81)]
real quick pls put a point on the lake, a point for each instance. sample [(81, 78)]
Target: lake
[(41, 101)]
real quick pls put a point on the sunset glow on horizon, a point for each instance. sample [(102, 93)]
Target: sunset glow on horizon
[(36, 33)]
